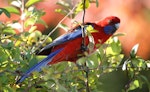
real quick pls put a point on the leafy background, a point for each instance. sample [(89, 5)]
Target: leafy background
[(105, 70)]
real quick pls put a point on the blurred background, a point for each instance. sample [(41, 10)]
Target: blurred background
[(134, 15)]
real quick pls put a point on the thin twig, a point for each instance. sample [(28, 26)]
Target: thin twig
[(87, 79), (84, 48), (22, 16), (71, 11), (83, 45)]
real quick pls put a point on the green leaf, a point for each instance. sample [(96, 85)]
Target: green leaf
[(80, 6), (3, 56), (32, 29), (139, 63), (97, 3), (3, 78), (31, 2), (33, 61), (134, 51), (118, 34), (145, 79), (114, 48), (9, 31), (63, 3), (124, 66), (62, 67), (42, 22), (81, 61), (93, 61), (64, 27), (148, 63), (5, 11), (134, 85), (61, 11), (16, 3), (29, 21), (61, 88), (40, 57), (8, 46), (12, 9), (89, 63), (100, 52)]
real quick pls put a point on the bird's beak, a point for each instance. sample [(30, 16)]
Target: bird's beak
[(117, 25)]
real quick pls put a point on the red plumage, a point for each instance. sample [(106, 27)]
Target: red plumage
[(72, 48), (67, 47)]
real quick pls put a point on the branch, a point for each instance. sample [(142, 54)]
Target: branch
[(84, 48), (83, 45), (87, 79), (71, 11), (22, 15)]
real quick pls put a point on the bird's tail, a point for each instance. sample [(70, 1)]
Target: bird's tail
[(39, 65)]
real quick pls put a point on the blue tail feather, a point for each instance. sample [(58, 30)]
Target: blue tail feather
[(39, 65)]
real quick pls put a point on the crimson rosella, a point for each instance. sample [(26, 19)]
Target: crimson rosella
[(68, 46)]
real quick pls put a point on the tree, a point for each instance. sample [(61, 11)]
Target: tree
[(106, 70)]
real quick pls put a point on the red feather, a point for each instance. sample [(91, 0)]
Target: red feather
[(73, 48), (68, 47)]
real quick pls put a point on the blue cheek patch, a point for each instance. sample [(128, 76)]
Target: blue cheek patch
[(110, 29)]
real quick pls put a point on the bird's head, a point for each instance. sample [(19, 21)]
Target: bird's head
[(110, 24)]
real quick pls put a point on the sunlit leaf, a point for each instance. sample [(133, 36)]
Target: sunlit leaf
[(90, 63), (12, 9), (15, 25), (115, 46), (119, 34), (61, 11), (9, 31), (33, 28), (16, 3), (31, 2), (80, 6), (91, 43), (134, 50), (29, 21), (139, 63), (148, 64), (124, 67), (3, 56), (63, 3), (64, 27), (134, 85)]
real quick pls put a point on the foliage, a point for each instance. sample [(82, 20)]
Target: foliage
[(97, 72)]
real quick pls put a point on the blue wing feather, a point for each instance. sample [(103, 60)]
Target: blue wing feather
[(39, 65), (60, 40), (64, 38)]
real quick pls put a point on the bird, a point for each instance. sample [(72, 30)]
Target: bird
[(68, 46)]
